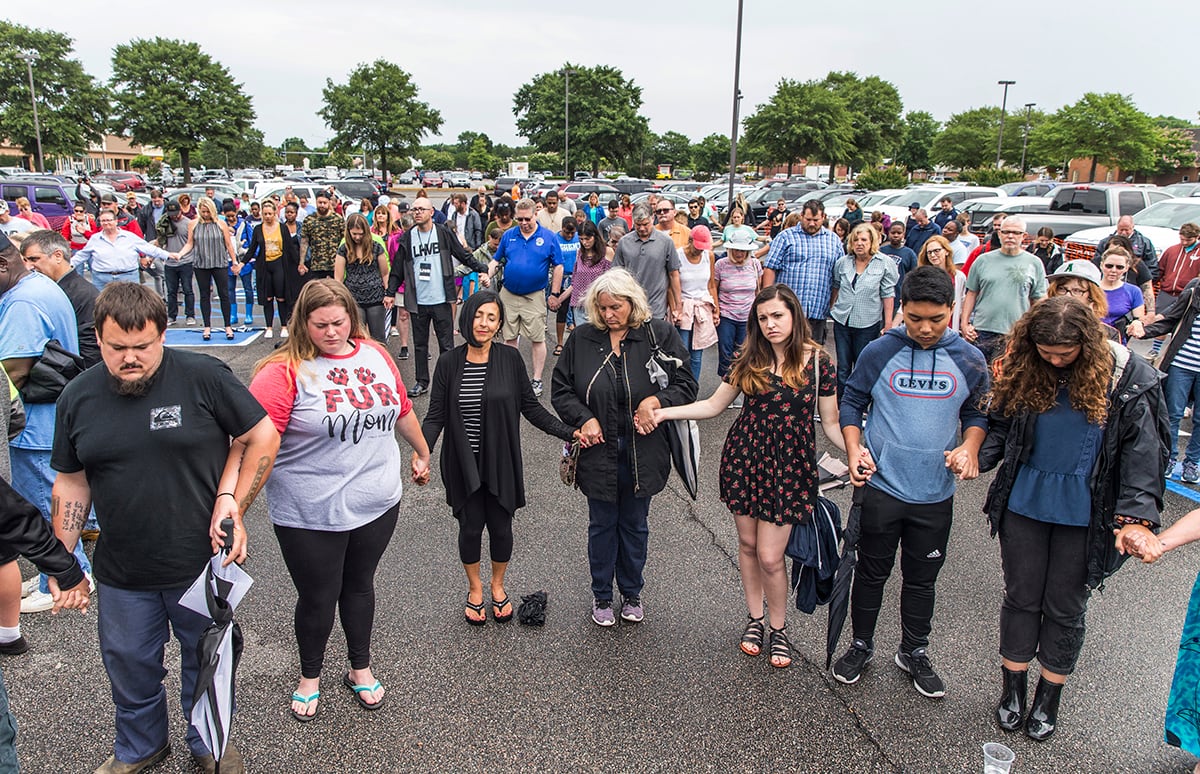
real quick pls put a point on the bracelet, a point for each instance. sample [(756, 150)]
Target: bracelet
[(231, 494), (1126, 521)]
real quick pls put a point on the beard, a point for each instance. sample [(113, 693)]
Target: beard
[(131, 388)]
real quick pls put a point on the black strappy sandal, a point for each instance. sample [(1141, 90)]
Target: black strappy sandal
[(475, 609), (781, 648), (752, 637)]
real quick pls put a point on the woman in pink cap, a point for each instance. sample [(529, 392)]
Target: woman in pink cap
[(698, 288)]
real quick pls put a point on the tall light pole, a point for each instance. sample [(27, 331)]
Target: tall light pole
[(737, 99), (566, 71), (37, 127), (1025, 138), (1003, 107)]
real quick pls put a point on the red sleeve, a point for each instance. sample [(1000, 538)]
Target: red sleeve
[(66, 229), (275, 388), (133, 228), (405, 403), (978, 251)]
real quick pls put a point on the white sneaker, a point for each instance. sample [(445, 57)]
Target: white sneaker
[(91, 582), (37, 602), (283, 333), (268, 334), (30, 586)]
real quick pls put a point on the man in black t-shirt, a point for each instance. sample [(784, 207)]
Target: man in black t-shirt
[(146, 439)]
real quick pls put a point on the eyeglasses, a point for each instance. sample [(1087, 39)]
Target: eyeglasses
[(935, 251), (1077, 292), (523, 220), (1113, 265), (1010, 232), (664, 210)]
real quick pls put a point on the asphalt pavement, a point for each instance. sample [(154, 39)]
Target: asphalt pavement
[(671, 694)]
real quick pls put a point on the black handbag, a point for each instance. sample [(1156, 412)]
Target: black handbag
[(51, 373)]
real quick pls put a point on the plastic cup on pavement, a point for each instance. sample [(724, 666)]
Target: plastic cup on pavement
[(997, 759)]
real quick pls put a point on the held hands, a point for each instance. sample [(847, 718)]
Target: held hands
[(389, 302), (227, 508), (1135, 329), (1136, 540), (968, 331), (420, 469), (302, 270), (590, 434), (862, 466), (962, 463), (553, 302), (75, 598), (644, 420)]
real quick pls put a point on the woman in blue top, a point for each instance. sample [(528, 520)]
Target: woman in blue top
[(1078, 430), (1125, 301)]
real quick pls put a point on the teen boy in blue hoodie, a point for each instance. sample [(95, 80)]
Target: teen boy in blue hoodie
[(915, 385)]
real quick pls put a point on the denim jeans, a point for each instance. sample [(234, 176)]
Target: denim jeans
[(180, 278), (102, 278), (1182, 387), (730, 336), (248, 289), (134, 629), (8, 732), (991, 344), (849, 343), (697, 354), (33, 478), (618, 534)]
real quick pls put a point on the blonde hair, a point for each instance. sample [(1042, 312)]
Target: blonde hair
[(206, 202), (871, 232), (618, 283)]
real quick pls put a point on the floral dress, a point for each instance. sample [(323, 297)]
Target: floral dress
[(769, 464)]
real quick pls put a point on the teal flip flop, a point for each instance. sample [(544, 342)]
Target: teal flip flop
[(359, 690), (300, 716)]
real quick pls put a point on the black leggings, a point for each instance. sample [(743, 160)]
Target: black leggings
[(205, 279), (335, 569), (481, 510), (921, 531)]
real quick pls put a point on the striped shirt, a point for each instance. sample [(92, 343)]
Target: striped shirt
[(804, 262), (1188, 356), (470, 402)]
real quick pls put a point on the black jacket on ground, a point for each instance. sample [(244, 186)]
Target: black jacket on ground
[(1127, 479), (507, 396), (23, 531), (257, 252), (1178, 318), (585, 388), (450, 250)]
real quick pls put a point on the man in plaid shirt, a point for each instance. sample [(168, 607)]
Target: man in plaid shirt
[(802, 257)]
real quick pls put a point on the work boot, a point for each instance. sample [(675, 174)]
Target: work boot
[(231, 762), (114, 766)]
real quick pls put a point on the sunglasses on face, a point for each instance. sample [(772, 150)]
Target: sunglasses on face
[(1114, 266), (523, 220), (663, 210)]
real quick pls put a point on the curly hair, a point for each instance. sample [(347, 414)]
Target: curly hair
[(1026, 382), (753, 365)]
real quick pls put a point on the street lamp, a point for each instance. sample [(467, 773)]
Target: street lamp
[(737, 98), (1025, 139), (37, 127), (566, 71), (1003, 106)]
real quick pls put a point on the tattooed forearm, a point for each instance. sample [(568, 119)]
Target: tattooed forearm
[(71, 515), (260, 476)]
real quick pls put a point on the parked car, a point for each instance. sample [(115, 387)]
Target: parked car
[(1080, 206), (354, 188), (51, 199), (577, 190), (631, 185), (476, 176), (982, 210), (121, 181), (263, 190), (1029, 188), (927, 197), (1183, 189), (1159, 223), (432, 180), (460, 180), (407, 177), (679, 186)]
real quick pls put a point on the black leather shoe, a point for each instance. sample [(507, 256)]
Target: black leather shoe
[(1043, 713), (15, 648), (417, 391), (1011, 709)]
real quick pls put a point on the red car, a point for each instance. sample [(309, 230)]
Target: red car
[(122, 181)]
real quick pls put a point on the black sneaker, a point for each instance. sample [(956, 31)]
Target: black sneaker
[(849, 667), (404, 353), (925, 680)]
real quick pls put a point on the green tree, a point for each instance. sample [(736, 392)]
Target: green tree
[(377, 110), (1174, 148), (878, 179), (711, 154), (72, 106), (988, 175), (141, 162), (672, 148), (539, 162), (1108, 128), (294, 149), (968, 140), (916, 140), (605, 122), (801, 121), (246, 150), (480, 156), (171, 94), (875, 107), (435, 158)]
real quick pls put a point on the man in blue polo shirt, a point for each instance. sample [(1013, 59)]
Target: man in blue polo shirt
[(527, 252)]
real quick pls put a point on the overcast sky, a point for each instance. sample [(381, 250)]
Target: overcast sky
[(468, 57)]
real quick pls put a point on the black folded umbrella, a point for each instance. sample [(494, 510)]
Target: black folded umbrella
[(839, 598)]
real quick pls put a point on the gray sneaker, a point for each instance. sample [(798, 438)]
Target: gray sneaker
[(1174, 467), (1191, 472), (602, 612), (631, 610)]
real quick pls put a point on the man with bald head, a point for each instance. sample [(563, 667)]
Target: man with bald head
[(424, 262), (1143, 248)]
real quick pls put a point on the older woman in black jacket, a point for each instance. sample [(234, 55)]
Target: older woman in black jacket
[(1079, 430), (479, 394), (603, 383)]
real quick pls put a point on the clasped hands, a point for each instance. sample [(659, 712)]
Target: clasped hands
[(420, 469), (1136, 540)]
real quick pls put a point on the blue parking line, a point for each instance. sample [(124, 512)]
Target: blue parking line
[(1183, 491)]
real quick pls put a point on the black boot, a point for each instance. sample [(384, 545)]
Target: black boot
[(1043, 713), (1011, 709)]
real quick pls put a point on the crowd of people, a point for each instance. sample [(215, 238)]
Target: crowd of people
[(950, 359)]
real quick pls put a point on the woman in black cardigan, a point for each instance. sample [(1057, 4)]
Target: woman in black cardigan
[(481, 455), (276, 273)]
